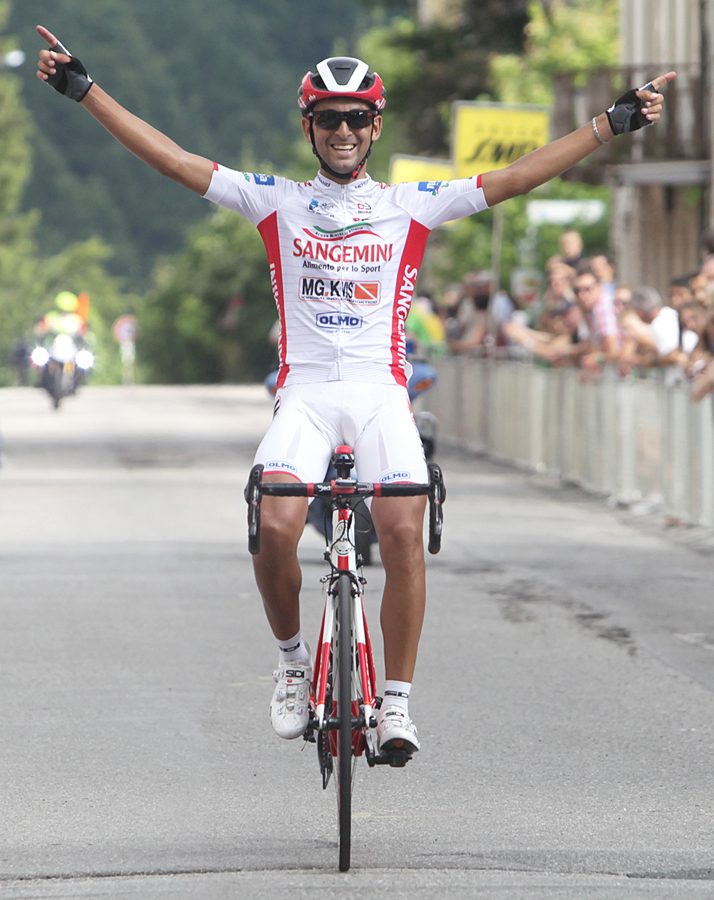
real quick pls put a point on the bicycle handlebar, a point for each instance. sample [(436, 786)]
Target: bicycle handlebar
[(345, 488), (341, 488)]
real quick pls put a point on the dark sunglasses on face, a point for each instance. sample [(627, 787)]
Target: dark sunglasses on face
[(331, 119)]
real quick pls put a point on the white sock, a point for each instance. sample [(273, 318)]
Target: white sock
[(396, 693), (294, 650)]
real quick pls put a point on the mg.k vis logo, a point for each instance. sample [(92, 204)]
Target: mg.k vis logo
[(363, 293), (334, 320)]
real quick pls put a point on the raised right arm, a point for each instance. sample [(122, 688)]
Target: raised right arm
[(142, 139)]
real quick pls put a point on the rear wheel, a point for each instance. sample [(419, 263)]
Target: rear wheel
[(344, 715)]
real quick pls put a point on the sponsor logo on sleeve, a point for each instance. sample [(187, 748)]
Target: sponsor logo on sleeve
[(432, 187), (266, 180)]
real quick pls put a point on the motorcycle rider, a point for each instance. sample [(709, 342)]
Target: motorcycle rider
[(63, 318)]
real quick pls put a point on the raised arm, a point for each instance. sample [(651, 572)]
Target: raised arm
[(67, 75), (631, 111)]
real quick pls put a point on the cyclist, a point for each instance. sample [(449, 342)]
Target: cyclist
[(344, 255)]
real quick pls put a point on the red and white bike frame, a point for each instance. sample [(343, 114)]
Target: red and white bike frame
[(343, 559)]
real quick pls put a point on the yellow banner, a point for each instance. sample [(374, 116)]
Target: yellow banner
[(419, 168), (489, 136)]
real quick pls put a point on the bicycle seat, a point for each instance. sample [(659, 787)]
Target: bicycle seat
[(343, 459)]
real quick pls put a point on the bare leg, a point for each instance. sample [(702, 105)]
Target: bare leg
[(399, 525), (276, 567)]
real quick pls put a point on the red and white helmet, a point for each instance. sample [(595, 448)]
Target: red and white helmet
[(341, 76)]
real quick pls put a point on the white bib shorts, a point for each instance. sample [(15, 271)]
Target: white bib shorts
[(376, 420)]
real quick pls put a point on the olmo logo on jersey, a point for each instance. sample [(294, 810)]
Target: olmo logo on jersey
[(364, 293), (333, 320)]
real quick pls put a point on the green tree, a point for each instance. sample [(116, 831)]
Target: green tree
[(208, 318), (578, 36)]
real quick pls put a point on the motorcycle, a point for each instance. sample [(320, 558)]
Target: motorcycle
[(422, 378), (64, 365)]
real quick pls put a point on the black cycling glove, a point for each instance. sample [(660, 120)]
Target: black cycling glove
[(70, 79), (624, 115)]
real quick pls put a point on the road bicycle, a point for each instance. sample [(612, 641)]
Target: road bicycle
[(343, 697)]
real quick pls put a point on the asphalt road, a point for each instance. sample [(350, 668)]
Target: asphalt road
[(563, 697)]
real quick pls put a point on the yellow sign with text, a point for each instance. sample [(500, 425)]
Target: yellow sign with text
[(419, 168), (489, 136)]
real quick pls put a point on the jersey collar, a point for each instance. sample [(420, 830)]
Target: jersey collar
[(333, 187)]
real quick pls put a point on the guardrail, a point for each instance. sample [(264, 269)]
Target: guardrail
[(635, 440)]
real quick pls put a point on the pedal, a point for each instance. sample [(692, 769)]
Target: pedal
[(397, 759)]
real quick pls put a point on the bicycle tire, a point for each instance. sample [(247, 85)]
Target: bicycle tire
[(344, 714)]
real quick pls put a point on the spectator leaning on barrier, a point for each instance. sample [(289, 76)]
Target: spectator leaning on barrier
[(702, 361), (598, 308), (692, 322), (560, 343), (657, 343)]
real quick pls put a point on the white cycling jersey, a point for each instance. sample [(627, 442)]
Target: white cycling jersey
[(343, 261)]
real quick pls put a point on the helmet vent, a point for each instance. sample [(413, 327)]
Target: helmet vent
[(342, 73)]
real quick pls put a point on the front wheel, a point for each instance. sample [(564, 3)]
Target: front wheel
[(344, 715)]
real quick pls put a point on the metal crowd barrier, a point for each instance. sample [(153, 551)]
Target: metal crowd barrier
[(634, 440)]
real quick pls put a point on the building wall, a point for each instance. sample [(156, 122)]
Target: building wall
[(656, 233), (657, 227), (664, 32)]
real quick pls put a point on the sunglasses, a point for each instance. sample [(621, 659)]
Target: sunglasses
[(584, 287), (331, 119)]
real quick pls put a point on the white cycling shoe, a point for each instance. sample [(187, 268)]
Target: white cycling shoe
[(290, 707), (396, 731)]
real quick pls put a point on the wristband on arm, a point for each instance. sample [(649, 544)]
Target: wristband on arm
[(624, 115), (70, 79)]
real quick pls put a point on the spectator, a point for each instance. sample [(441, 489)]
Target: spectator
[(698, 287), (657, 343), (561, 344), (708, 273), (598, 308), (571, 245), (471, 326), (560, 286), (623, 295), (702, 361), (680, 291), (692, 322), (602, 266)]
